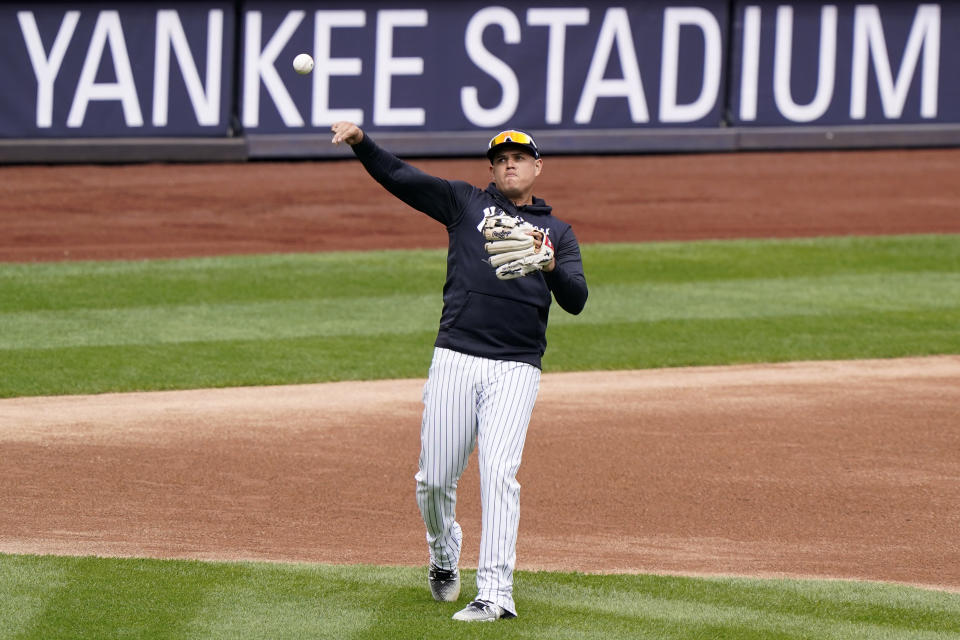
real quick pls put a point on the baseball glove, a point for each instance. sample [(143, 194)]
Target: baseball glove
[(512, 249)]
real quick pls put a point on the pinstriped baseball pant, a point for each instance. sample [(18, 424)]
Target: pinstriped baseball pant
[(488, 403)]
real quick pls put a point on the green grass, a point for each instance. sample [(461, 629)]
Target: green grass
[(52, 597), (89, 327)]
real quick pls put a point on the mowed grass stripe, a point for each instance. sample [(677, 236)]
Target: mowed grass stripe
[(218, 280), (847, 610), (194, 365), (279, 602), (240, 279), (361, 316), (167, 324), (104, 597), (696, 342), (403, 314), (96, 598)]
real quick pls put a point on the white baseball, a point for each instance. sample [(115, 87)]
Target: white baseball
[(303, 64)]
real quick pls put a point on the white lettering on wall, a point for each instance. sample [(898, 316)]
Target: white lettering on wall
[(615, 31), (589, 55), (387, 66), (326, 66), (259, 65), (46, 68), (673, 19), (869, 42), (107, 31), (750, 66), (783, 60), (204, 97), (497, 69), (557, 20)]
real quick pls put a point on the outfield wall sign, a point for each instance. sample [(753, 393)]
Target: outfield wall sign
[(120, 69), (217, 69), (845, 63)]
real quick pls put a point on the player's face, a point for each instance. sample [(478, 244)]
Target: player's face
[(514, 171)]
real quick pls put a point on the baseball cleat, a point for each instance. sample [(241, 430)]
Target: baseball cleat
[(444, 583), (482, 611)]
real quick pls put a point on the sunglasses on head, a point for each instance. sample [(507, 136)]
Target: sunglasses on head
[(518, 137)]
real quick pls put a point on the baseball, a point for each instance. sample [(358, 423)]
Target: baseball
[(303, 64)]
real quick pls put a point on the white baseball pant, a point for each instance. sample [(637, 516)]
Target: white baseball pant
[(470, 400)]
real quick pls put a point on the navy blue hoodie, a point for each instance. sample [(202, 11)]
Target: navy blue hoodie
[(483, 315)]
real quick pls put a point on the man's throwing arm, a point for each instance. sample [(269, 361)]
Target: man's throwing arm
[(433, 196)]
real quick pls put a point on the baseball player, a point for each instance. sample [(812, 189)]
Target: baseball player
[(507, 254)]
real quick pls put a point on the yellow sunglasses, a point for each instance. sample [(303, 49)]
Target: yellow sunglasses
[(514, 137)]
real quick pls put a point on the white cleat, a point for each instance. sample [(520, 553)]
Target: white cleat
[(481, 611)]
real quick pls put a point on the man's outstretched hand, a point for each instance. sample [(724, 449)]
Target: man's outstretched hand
[(346, 132)]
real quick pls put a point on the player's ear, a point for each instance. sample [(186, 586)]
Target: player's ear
[(538, 166)]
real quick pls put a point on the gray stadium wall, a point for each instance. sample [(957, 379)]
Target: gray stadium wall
[(213, 81)]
